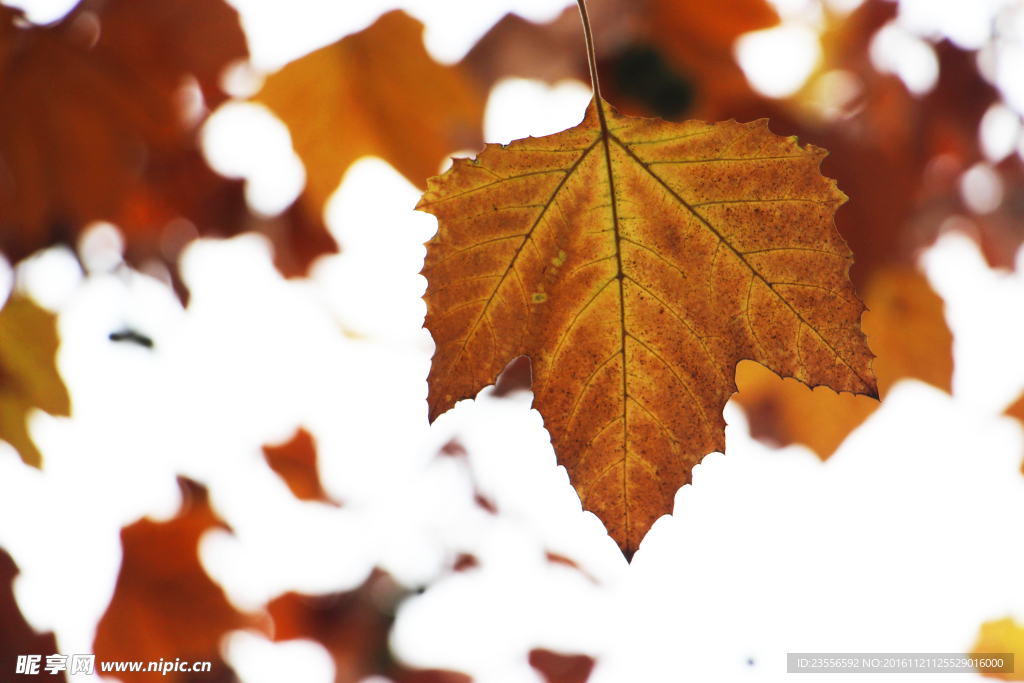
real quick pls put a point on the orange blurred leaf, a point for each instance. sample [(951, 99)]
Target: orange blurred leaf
[(295, 462), (1016, 410), (636, 262), (28, 373), (164, 604), (784, 411), (376, 92), (907, 331)]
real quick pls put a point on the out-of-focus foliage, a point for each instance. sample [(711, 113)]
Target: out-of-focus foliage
[(98, 121), (379, 93), (164, 602), (1002, 636), (17, 638), (28, 372), (559, 668), (354, 627), (295, 462)]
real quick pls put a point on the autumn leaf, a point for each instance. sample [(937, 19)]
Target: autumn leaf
[(28, 373), (907, 332), (295, 462), (164, 604), (376, 92), (17, 638), (1002, 636), (637, 262)]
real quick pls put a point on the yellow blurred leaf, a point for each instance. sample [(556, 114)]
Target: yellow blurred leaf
[(28, 372), (1003, 635)]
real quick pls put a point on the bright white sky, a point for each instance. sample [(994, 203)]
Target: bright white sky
[(906, 540)]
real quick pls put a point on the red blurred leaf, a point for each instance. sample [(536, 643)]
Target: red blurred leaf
[(559, 668), (16, 636), (164, 605), (95, 125), (354, 628)]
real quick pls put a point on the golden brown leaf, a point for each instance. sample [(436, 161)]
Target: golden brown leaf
[(17, 638), (28, 372), (164, 603), (906, 330), (637, 262), (376, 92), (295, 462), (1002, 636)]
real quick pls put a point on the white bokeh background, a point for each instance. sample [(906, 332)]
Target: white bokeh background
[(906, 540)]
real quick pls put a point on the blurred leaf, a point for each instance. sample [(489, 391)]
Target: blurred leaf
[(1002, 636), (28, 372), (636, 262), (698, 38), (90, 115), (354, 627), (16, 636), (559, 668), (164, 604), (783, 411), (897, 155), (655, 57), (1016, 410), (906, 328), (295, 462), (907, 331), (376, 92), (98, 114)]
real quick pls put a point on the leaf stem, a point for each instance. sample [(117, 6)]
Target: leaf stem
[(590, 53)]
